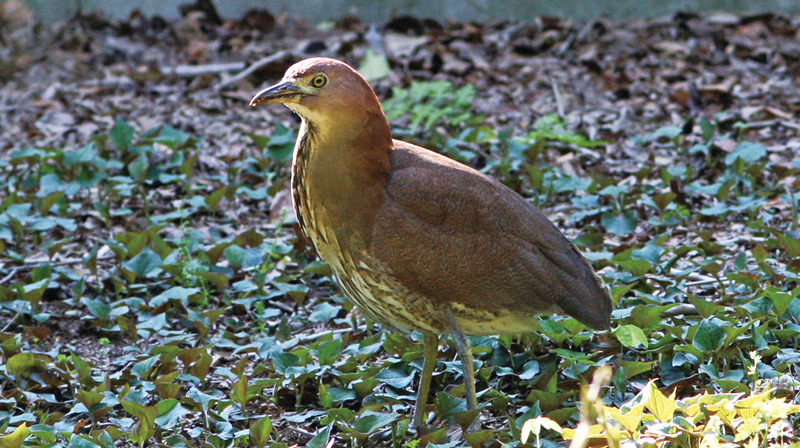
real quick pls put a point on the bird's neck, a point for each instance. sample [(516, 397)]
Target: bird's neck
[(338, 177)]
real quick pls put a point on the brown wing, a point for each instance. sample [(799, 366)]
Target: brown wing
[(453, 234)]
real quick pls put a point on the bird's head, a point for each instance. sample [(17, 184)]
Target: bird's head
[(322, 91)]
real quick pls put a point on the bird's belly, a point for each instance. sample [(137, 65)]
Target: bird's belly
[(481, 322), (369, 283), (366, 282), (381, 297)]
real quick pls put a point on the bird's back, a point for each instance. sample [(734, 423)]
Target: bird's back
[(462, 240)]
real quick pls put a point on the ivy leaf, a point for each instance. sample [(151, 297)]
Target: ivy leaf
[(170, 413), (121, 135), (660, 405), (260, 431), (144, 264), (631, 336), (371, 421), (620, 223), (749, 152), (709, 336)]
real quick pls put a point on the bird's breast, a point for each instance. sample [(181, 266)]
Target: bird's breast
[(339, 240)]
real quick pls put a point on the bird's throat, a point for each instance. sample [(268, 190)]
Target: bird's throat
[(336, 189)]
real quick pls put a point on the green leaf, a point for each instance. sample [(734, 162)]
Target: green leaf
[(709, 336), (704, 307), (707, 129), (339, 394), (145, 427), (635, 267), (324, 312), (720, 208), (631, 336), (121, 135), (239, 392), (322, 438), (749, 152), (371, 421), (620, 223), (235, 255), (144, 264), (780, 300), (175, 293), (21, 364), (16, 438), (329, 351), (283, 361), (662, 200), (139, 166), (634, 368), (98, 308), (168, 136), (670, 133), (374, 66), (529, 370), (281, 144), (170, 413), (395, 377), (660, 405), (260, 431), (650, 252), (81, 441)]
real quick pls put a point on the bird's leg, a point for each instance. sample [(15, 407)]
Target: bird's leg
[(464, 349), (428, 364)]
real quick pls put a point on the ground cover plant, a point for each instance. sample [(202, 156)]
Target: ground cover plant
[(153, 290)]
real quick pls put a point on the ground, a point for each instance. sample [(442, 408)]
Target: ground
[(152, 285)]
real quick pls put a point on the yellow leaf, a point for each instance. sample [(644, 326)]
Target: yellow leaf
[(710, 440), (630, 420), (752, 443), (750, 407), (595, 431), (535, 425), (778, 408), (613, 437), (692, 410), (746, 428), (16, 438), (660, 405)]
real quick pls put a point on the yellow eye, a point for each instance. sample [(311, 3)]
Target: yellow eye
[(319, 81)]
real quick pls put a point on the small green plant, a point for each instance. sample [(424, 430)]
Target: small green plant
[(427, 103)]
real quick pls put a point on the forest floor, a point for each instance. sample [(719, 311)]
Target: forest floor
[(152, 283)]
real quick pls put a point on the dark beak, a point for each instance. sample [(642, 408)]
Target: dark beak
[(282, 92)]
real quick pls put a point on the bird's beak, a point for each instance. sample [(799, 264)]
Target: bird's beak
[(283, 92)]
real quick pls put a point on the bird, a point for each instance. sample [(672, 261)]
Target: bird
[(419, 241)]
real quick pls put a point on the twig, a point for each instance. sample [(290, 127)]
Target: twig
[(565, 46), (559, 98), (682, 309), (708, 281), (13, 319), (573, 147), (790, 124), (282, 306), (316, 336), (301, 431), (190, 71), (792, 202), (255, 66), (10, 275), (771, 123)]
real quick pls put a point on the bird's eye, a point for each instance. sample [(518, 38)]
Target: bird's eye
[(319, 81)]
